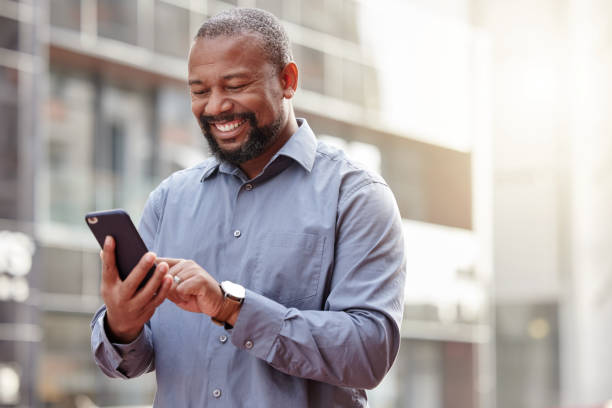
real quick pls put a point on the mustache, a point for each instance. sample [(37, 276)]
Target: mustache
[(205, 120)]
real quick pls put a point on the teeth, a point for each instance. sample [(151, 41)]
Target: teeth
[(226, 127)]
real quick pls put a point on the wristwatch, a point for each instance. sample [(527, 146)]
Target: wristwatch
[(233, 296)]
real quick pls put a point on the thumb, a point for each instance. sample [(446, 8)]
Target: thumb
[(110, 275)]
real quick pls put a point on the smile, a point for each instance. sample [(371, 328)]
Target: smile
[(229, 126)]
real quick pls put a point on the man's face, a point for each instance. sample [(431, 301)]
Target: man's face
[(236, 96)]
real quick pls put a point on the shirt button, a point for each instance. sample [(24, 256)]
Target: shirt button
[(248, 344), (216, 393), (223, 338), (237, 233), (248, 187)]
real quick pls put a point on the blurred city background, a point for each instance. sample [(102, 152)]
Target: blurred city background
[(490, 119)]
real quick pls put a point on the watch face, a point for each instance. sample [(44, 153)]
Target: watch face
[(233, 289)]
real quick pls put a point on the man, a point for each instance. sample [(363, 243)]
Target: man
[(283, 277)]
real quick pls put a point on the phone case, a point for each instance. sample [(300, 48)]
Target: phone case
[(129, 246)]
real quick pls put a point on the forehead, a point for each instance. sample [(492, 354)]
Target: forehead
[(221, 54)]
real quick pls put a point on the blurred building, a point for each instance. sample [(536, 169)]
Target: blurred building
[(95, 112), (552, 152)]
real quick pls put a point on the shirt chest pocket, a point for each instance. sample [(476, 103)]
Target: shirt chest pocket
[(288, 266)]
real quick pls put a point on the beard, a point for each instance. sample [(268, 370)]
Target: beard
[(258, 140)]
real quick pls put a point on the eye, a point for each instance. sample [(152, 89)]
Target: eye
[(235, 87), (199, 92)]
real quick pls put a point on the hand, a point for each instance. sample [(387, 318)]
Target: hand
[(196, 291), (127, 308)]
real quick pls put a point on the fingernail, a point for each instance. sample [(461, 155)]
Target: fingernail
[(107, 240), (149, 257)]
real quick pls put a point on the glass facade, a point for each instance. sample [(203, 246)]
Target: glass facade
[(66, 14), (430, 374), (9, 84), (527, 362), (118, 20), (175, 41), (9, 34), (114, 127), (70, 113)]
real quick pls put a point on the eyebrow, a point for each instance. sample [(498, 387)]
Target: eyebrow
[(236, 75), (225, 77)]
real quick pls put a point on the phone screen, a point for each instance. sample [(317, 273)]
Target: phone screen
[(129, 246)]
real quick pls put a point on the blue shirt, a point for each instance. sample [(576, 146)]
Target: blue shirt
[(316, 241)]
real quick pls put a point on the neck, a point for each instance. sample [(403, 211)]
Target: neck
[(255, 166)]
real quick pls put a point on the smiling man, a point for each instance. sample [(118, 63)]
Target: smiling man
[(282, 277), (242, 100)]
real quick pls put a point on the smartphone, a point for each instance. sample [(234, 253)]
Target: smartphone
[(129, 246)]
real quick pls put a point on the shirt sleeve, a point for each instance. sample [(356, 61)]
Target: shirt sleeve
[(355, 339), (136, 358), (120, 360)]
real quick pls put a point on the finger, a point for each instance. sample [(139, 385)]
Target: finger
[(186, 268), (191, 284), (153, 286), (184, 271), (110, 275), (131, 283), (163, 291), (172, 294), (178, 267), (170, 261), (183, 274)]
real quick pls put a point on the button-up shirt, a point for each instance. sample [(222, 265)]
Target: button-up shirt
[(317, 243)]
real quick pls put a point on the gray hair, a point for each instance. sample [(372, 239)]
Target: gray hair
[(236, 21)]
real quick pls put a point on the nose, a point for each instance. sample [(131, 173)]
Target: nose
[(217, 103)]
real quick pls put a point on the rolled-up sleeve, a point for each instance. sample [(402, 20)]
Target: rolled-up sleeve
[(354, 340)]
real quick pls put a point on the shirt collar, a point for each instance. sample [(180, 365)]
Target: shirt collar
[(301, 147)]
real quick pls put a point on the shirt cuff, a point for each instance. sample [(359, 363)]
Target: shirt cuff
[(119, 352), (258, 325)]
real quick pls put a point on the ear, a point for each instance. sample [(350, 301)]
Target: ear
[(289, 79)]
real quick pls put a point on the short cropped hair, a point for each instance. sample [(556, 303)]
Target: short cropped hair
[(236, 21)]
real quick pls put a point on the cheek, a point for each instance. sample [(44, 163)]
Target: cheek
[(268, 108), (197, 108)]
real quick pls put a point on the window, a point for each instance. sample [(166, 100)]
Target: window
[(371, 87), (312, 67), (171, 30), (181, 143), (273, 6), (63, 270), (66, 14), (70, 111), (8, 142), (321, 15), (352, 88), (335, 17), (117, 19), (9, 33), (433, 374), (350, 18)]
